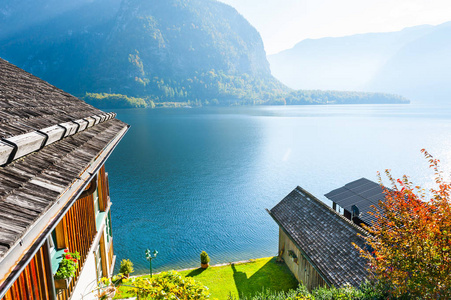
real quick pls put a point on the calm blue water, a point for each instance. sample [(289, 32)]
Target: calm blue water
[(187, 180)]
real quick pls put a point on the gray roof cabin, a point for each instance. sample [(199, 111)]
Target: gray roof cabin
[(316, 242)]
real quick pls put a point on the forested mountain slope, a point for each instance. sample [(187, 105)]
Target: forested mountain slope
[(173, 50)]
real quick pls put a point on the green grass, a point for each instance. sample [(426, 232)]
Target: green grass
[(245, 279), (242, 279)]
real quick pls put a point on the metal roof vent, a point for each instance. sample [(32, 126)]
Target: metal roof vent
[(355, 211)]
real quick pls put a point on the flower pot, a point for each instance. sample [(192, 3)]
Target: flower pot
[(62, 284), (204, 266)]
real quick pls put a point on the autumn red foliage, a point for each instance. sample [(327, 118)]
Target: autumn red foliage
[(409, 251)]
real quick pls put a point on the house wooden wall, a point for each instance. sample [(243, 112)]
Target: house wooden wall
[(34, 282), (301, 269), (76, 232)]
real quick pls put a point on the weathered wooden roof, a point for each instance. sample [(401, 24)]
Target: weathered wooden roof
[(28, 103), (323, 236), (362, 193), (31, 184)]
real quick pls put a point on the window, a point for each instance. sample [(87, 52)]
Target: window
[(95, 196), (108, 228), (52, 242), (56, 255)]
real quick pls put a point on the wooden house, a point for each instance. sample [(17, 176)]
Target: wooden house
[(356, 199), (53, 188), (316, 242)]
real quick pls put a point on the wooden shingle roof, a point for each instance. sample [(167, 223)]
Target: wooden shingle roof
[(31, 184), (323, 236), (28, 103)]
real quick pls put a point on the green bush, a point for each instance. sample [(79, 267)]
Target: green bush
[(204, 258), (301, 293), (126, 267), (170, 285), (344, 293), (367, 291)]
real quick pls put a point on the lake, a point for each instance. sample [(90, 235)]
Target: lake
[(187, 180)]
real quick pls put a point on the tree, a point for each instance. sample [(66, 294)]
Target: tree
[(409, 244)]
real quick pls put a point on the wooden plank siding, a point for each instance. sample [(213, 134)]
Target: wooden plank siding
[(80, 231), (76, 232), (32, 283), (301, 269), (103, 189)]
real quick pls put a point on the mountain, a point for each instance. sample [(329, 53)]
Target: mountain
[(59, 44), (340, 63), (19, 15), (420, 70), (174, 50), (140, 53), (413, 62)]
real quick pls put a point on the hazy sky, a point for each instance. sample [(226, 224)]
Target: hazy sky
[(283, 23)]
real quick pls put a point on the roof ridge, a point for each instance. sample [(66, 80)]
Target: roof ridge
[(347, 221), (18, 146)]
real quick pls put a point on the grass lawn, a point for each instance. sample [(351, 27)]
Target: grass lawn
[(243, 279)]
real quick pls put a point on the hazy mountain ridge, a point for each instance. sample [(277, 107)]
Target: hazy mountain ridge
[(145, 52), (365, 62), (420, 70)]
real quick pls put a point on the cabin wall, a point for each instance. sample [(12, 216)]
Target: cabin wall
[(304, 272), (84, 230), (88, 280)]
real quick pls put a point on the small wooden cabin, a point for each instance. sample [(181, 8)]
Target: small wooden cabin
[(356, 199), (316, 242), (54, 190)]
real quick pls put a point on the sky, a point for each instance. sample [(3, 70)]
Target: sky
[(284, 23)]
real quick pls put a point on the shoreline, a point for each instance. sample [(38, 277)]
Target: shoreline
[(211, 266)]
